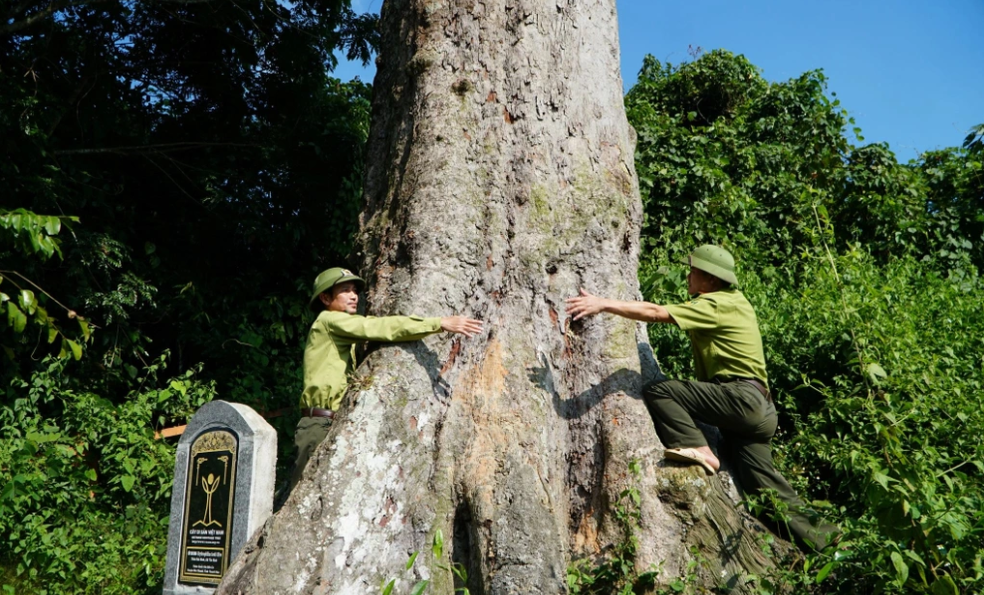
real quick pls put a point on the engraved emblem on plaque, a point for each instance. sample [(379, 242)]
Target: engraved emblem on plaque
[(208, 508)]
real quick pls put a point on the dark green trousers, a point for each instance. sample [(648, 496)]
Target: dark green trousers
[(310, 432), (747, 421)]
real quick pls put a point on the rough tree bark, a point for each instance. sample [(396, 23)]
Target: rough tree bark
[(500, 180)]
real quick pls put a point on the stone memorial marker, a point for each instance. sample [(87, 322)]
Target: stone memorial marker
[(224, 474)]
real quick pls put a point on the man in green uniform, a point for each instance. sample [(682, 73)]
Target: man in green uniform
[(731, 391), (329, 356)]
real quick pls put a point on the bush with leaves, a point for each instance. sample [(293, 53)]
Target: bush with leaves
[(86, 486), (172, 177), (864, 274)]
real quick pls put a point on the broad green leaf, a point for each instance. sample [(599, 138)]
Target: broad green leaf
[(85, 328), (901, 569), (27, 300), (15, 318), (42, 437), (824, 572), (128, 481), (52, 225), (875, 373), (413, 558), (76, 349), (438, 548), (944, 585), (419, 587), (388, 589)]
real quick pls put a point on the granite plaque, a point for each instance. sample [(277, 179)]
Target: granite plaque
[(224, 473)]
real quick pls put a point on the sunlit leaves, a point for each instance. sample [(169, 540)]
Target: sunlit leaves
[(32, 233), (865, 276)]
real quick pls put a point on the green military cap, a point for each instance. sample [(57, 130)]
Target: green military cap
[(328, 279), (714, 260)]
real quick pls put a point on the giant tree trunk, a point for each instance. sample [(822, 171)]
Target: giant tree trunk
[(500, 181)]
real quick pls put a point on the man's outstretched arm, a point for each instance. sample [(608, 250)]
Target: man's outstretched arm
[(589, 305), (392, 329)]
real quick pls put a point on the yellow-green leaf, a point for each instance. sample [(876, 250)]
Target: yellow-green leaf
[(824, 572), (27, 300), (52, 225), (15, 318), (945, 586), (438, 544)]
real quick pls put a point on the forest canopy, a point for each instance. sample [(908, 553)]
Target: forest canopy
[(175, 173)]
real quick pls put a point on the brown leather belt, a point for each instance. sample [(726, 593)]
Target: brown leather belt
[(317, 412), (753, 381)]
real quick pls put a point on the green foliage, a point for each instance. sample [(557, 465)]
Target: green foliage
[(864, 274), (457, 570), (86, 487), (890, 433), (34, 236), (726, 157), (172, 176)]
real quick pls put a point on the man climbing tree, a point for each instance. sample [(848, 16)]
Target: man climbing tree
[(731, 391), (500, 179)]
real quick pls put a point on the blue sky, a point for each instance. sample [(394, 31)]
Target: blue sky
[(911, 72)]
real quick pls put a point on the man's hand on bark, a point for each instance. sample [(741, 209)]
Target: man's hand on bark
[(463, 325), (584, 305)]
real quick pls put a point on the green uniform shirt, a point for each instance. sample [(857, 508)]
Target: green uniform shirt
[(724, 335), (329, 355)]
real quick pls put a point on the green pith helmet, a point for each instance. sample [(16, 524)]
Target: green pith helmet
[(714, 260), (328, 279)]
